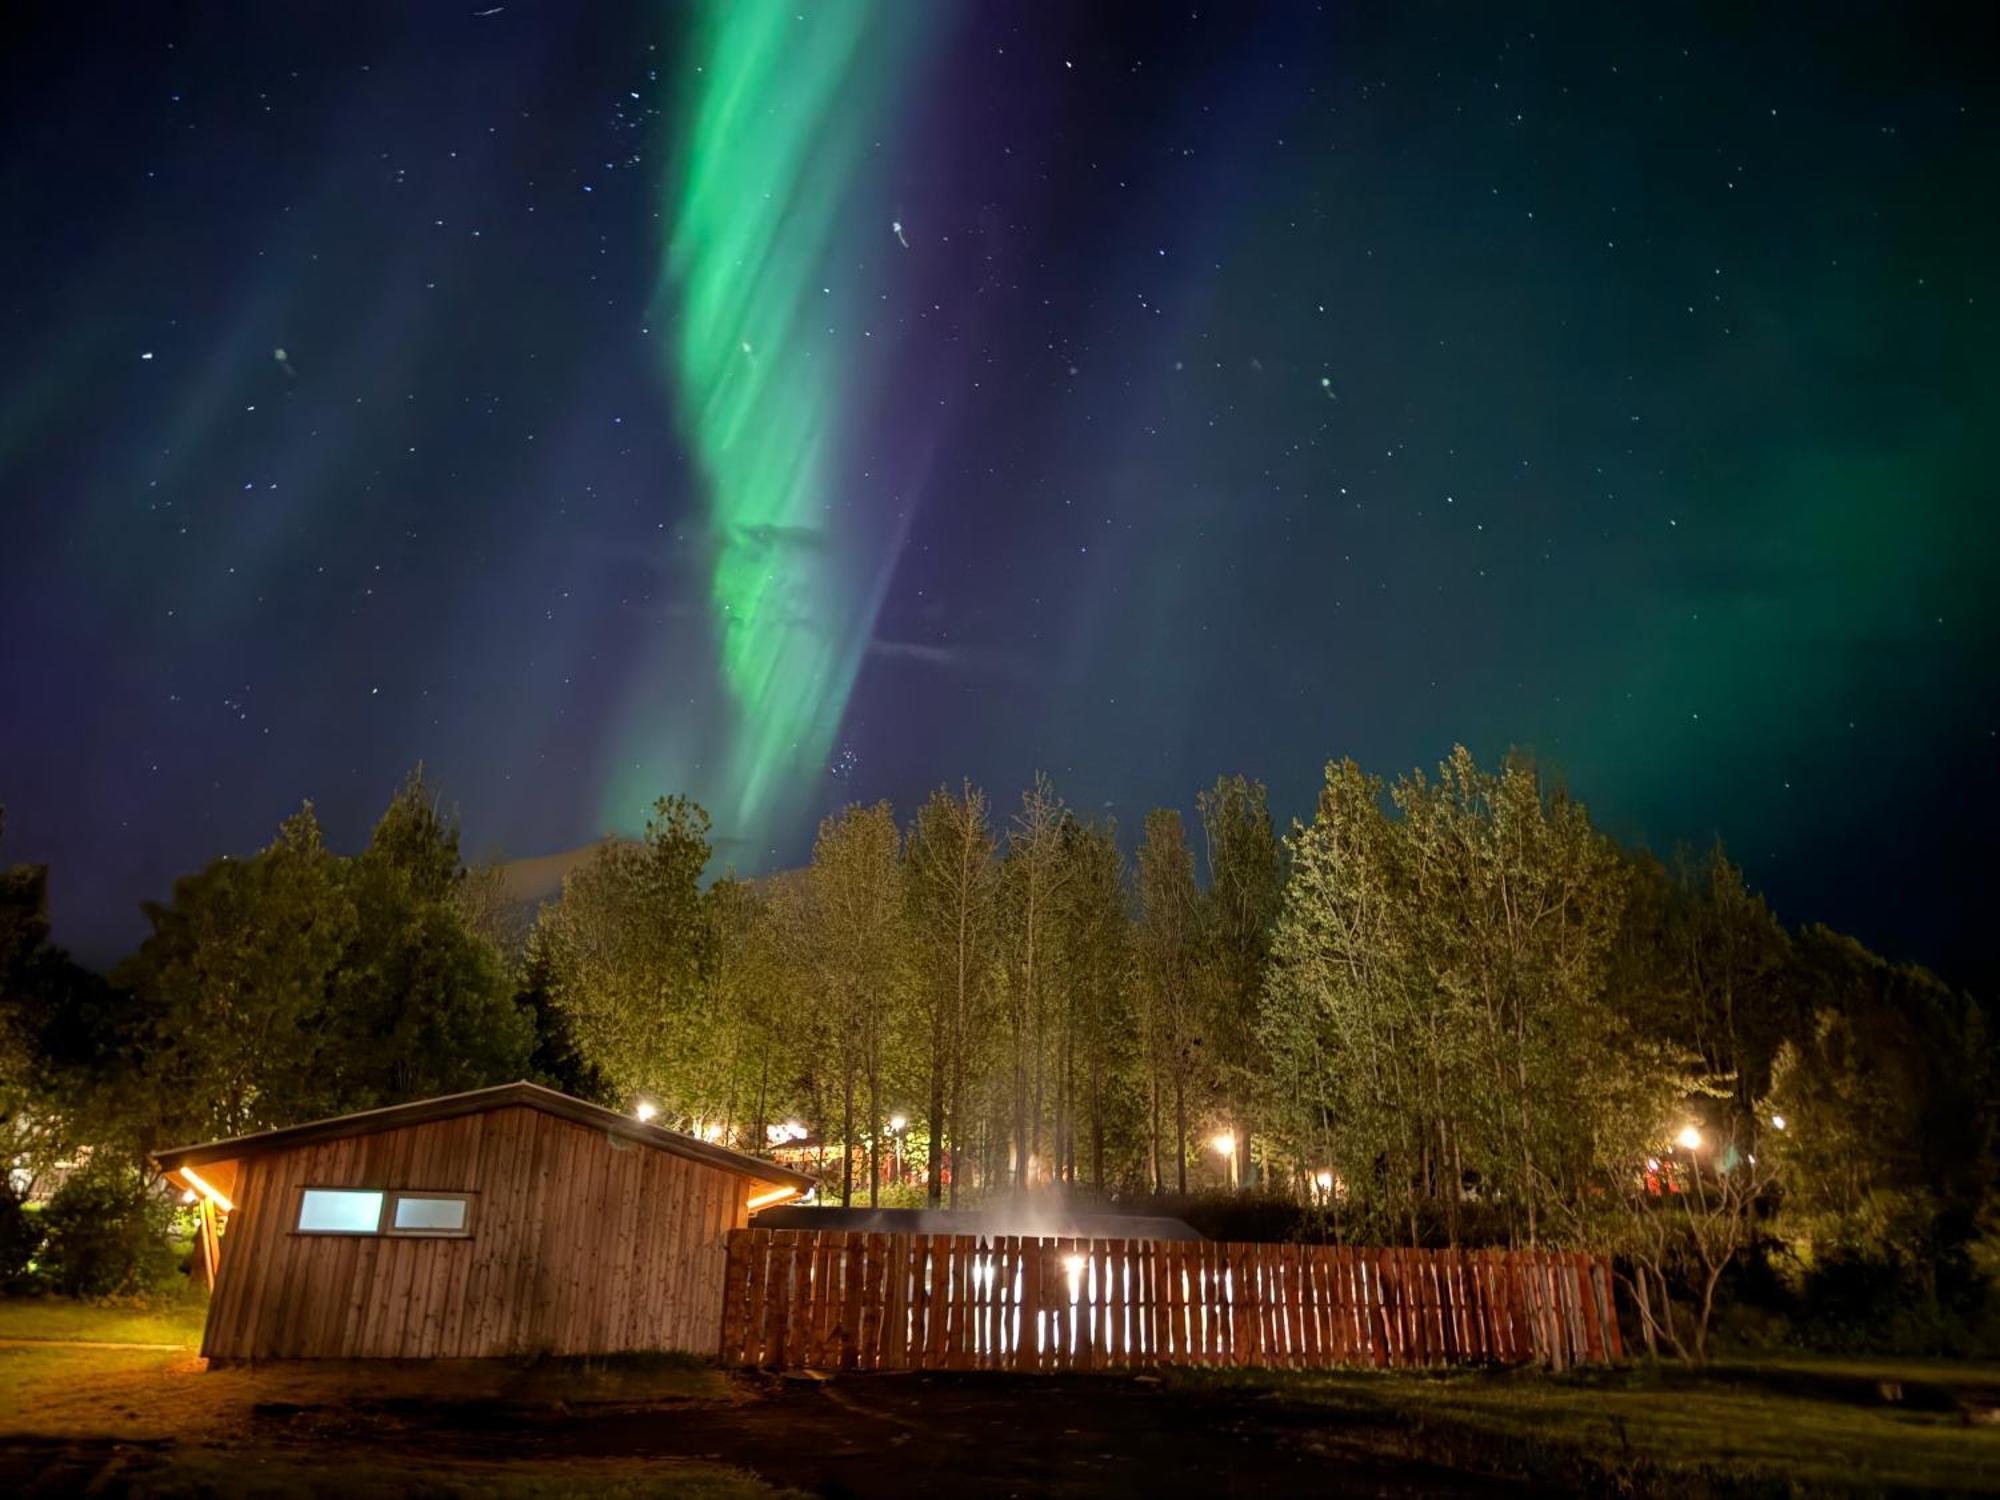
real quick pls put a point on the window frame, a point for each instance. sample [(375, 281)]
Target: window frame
[(299, 1209), (385, 1218), (396, 1196)]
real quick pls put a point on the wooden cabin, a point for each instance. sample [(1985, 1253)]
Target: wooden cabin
[(507, 1221)]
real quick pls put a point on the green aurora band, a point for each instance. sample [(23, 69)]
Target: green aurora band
[(782, 108)]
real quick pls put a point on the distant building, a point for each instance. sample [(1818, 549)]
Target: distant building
[(1045, 1221)]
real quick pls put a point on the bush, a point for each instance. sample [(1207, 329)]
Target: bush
[(20, 1236), (107, 1235)]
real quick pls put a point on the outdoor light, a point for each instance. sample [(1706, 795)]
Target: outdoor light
[(189, 1196), (898, 1124), (711, 1132), (202, 1187), (1074, 1264), (1225, 1143), (1324, 1180), (646, 1111), (1777, 1122), (1689, 1138), (776, 1195)]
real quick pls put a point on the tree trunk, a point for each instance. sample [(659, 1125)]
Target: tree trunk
[(1097, 1136), (1153, 1089), (934, 1151), (1180, 1133), (847, 1142), (874, 1139), (1021, 1113), (759, 1139), (955, 1112)]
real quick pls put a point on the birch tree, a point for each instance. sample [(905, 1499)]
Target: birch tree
[(626, 949), (1238, 910), (1096, 1036), (1032, 877), (1167, 943), (951, 886), (855, 913), (1437, 1002)]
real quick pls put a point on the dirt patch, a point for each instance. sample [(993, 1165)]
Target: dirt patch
[(891, 1437)]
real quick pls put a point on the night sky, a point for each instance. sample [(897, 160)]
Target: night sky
[(798, 403)]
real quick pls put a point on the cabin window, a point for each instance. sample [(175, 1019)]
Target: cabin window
[(340, 1211), (414, 1214), (431, 1213)]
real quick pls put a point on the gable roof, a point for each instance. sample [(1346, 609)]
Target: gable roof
[(502, 1096)]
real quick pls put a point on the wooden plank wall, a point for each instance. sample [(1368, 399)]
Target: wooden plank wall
[(581, 1243), (829, 1299)]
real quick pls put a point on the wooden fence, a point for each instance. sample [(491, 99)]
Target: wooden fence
[(836, 1300)]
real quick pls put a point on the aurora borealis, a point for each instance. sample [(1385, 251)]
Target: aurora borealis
[(785, 101), (789, 404)]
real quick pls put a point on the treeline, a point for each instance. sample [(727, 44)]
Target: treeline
[(1447, 1010)]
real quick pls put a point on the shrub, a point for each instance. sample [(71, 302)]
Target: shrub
[(20, 1236), (107, 1235)]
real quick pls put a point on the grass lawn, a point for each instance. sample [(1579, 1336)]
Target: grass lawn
[(1792, 1426), (176, 1322), (203, 1474), (155, 1422), (76, 1414)]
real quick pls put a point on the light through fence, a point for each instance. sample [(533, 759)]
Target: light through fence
[(831, 1299)]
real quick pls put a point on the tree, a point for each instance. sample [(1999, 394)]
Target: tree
[(1520, 899), (855, 912), (1727, 960), (1095, 1039), (1167, 942), (1679, 1242), (1892, 1127), (742, 979), (237, 976), (69, 1042), (555, 1058), (951, 889), (295, 983), (1343, 1006), (626, 946), (425, 998), (1437, 1004), (1032, 876), (24, 918), (1245, 882)]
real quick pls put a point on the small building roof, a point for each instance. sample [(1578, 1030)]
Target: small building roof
[(501, 1096), (1053, 1222)]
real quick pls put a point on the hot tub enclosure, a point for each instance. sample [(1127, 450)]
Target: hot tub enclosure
[(507, 1221)]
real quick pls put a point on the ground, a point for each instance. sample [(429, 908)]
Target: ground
[(88, 1405)]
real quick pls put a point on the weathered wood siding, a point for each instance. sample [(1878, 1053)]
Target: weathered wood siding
[(581, 1244)]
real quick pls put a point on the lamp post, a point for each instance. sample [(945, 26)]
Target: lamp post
[(1225, 1142), (897, 1125)]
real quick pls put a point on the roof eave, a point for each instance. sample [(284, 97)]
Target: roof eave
[(500, 1096)]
